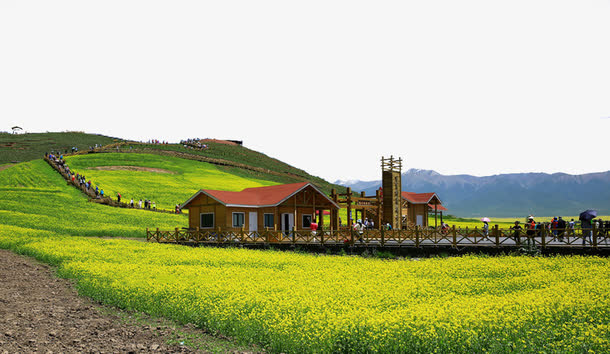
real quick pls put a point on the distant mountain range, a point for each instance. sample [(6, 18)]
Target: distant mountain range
[(507, 195)]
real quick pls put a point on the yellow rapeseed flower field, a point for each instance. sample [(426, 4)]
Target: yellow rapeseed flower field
[(290, 302)]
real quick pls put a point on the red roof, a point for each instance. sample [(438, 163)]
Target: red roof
[(438, 207), (418, 198), (257, 196)]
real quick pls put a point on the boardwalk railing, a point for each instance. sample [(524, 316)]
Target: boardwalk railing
[(411, 237)]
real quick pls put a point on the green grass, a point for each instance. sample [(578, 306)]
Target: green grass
[(245, 156), (34, 196), (27, 147), (166, 189)]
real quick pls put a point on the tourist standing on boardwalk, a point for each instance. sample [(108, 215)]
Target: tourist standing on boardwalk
[(359, 228), (517, 232), (561, 225), (314, 229), (571, 227)]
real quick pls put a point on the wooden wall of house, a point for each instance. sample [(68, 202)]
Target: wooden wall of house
[(204, 204), (303, 202), (412, 210)]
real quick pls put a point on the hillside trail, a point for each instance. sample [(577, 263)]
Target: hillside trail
[(5, 166), (42, 313)]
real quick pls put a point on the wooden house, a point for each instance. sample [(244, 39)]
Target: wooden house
[(416, 207), (282, 207)]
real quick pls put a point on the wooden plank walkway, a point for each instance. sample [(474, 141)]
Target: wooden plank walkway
[(409, 238)]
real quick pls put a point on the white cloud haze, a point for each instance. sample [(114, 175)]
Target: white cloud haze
[(476, 87)]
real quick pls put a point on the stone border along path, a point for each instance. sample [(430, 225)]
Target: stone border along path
[(42, 313)]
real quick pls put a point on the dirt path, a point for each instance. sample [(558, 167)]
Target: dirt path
[(5, 166), (132, 168), (42, 313)]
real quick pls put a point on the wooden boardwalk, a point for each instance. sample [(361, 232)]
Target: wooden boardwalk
[(409, 238)]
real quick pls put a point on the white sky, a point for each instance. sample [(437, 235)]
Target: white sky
[(476, 87)]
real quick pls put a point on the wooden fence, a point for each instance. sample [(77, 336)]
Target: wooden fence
[(413, 237)]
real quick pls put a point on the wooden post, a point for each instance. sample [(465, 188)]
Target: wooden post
[(176, 238), (241, 233), (321, 218), (594, 235), (322, 236), (435, 213), (379, 219), (334, 214), (157, 234), (497, 234), (543, 235), (382, 230), (349, 207), (416, 235), (197, 235)]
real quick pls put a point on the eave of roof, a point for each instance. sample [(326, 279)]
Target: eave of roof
[(420, 198)]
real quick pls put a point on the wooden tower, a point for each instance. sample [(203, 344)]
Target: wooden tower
[(392, 191)]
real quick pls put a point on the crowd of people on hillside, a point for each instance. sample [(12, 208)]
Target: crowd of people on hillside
[(194, 143), (80, 180), (157, 142)]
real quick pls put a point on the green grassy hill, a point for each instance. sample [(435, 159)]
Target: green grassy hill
[(166, 180), (236, 160), (27, 147), (34, 196), (239, 160)]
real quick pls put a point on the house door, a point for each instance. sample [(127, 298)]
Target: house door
[(287, 222), (253, 221), (419, 220)]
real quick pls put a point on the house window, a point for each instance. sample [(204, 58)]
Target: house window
[(207, 221), (306, 221), (269, 222), (239, 219)]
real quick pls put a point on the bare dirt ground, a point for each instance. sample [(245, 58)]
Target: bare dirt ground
[(42, 313), (131, 168)]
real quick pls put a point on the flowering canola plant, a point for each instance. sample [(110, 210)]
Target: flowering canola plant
[(290, 302)]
